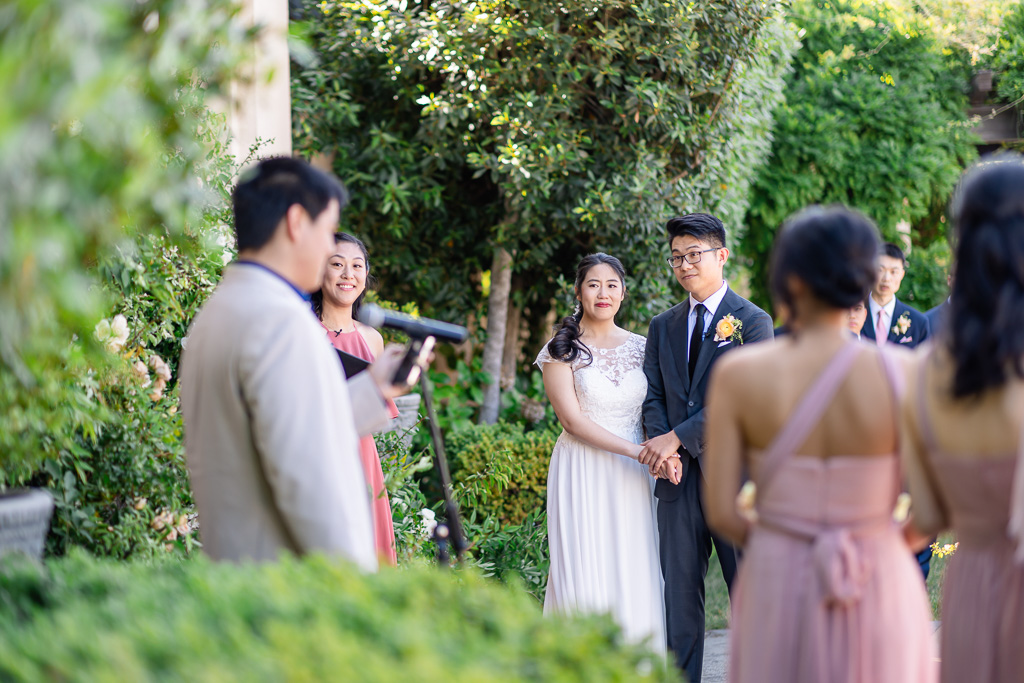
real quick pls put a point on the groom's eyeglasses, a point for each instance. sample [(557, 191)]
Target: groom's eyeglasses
[(691, 257)]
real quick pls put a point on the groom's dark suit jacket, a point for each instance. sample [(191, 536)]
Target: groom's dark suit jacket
[(918, 331), (673, 401)]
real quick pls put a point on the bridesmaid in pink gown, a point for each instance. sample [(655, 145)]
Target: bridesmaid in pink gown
[(964, 417), (828, 590), (336, 304)]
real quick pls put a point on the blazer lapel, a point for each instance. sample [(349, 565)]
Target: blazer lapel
[(868, 331), (710, 346), (897, 311)]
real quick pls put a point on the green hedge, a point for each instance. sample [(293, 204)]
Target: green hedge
[(874, 118), (502, 469), (1008, 58), (83, 619)]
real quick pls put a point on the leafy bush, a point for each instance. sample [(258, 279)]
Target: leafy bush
[(1008, 60), (102, 118), (502, 470), (121, 489), (552, 129), (511, 550), (874, 118), (515, 553), (81, 619), (500, 477), (925, 285)]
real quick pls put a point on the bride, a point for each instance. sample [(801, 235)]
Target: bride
[(601, 517)]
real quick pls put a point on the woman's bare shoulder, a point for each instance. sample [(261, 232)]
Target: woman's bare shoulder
[(372, 337)]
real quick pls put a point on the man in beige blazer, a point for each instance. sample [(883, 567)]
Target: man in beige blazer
[(271, 427)]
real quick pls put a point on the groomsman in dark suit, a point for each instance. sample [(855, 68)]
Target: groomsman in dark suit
[(904, 325), (900, 323), (937, 316), (682, 346)]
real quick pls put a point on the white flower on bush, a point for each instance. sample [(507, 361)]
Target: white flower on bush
[(429, 522), (181, 525), (163, 376), (162, 520), (142, 372), (113, 333), (162, 370)]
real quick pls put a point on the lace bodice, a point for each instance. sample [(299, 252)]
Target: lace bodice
[(612, 388)]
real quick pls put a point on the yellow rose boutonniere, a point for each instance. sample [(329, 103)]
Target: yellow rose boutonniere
[(902, 324), (728, 329)]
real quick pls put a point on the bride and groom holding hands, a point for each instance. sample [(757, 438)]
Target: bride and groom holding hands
[(633, 414)]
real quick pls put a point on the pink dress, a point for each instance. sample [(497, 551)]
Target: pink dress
[(983, 593), (383, 529), (828, 590)]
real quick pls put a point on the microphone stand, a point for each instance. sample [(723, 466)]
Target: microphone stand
[(451, 532)]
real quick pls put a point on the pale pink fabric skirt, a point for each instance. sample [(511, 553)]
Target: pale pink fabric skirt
[(785, 630)]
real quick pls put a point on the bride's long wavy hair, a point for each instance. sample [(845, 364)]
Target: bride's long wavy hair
[(566, 345)]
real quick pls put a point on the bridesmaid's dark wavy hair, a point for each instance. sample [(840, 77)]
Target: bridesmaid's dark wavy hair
[(987, 301), (834, 250), (566, 345), (317, 298)]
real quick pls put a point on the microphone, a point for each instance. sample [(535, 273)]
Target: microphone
[(416, 328)]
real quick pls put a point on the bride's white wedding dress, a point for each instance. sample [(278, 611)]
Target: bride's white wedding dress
[(602, 528)]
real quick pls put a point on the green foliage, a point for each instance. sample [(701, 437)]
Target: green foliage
[(1008, 59), (874, 119), (502, 469), (525, 402), (124, 493), (122, 488), (516, 554), (407, 500), (99, 127), (551, 128), (512, 548), (80, 619), (925, 284)]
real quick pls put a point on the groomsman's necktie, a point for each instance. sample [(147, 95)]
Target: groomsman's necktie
[(697, 337), (881, 331)]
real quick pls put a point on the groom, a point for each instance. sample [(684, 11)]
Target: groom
[(682, 345)]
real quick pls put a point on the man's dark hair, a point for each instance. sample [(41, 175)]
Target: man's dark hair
[(265, 192), (892, 251), (702, 226)]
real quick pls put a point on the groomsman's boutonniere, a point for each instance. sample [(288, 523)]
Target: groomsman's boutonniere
[(728, 329), (902, 324)]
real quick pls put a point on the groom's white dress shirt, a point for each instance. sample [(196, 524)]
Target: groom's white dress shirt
[(271, 433), (711, 305), (881, 326)]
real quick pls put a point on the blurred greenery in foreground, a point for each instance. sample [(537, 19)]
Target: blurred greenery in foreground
[(86, 619), (104, 142)]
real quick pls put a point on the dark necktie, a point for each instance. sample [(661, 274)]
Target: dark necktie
[(696, 338)]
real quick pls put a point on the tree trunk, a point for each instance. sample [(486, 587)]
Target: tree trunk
[(497, 317), (513, 344)]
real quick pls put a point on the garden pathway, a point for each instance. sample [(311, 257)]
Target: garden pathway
[(716, 653)]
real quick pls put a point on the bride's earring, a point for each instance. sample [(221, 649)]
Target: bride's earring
[(579, 309)]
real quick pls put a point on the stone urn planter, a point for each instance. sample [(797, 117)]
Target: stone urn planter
[(24, 521)]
